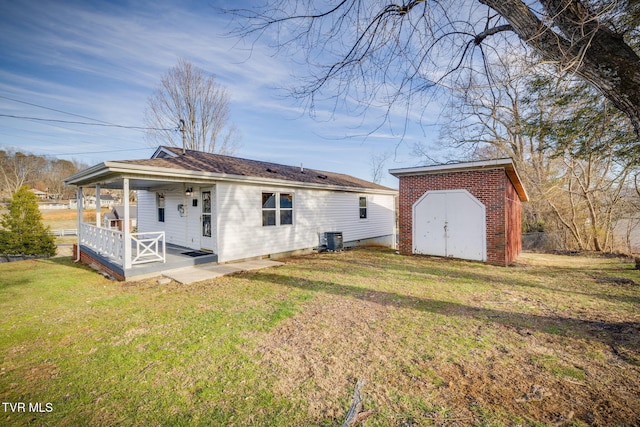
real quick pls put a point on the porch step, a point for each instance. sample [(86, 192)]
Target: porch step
[(197, 273)]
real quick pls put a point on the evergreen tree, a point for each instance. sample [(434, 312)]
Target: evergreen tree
[(23, 232)]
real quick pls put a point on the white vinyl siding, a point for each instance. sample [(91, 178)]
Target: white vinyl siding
[(174, 225), (147, 212), (237, 229), (242, 235)]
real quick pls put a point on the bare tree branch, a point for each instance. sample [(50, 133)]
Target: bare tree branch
[(187, 95), (376, 51), (490, 32)]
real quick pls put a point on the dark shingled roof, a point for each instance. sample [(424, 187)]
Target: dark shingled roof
[(217, 163)]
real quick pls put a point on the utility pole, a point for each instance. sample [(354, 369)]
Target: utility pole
[(182, 129)]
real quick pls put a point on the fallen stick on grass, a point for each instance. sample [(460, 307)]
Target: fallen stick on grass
[(356, 405)]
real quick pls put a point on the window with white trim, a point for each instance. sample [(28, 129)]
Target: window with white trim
[(277, 209), (363, 207)]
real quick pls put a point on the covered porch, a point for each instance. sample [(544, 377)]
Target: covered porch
[(174, 257), (161, 241)]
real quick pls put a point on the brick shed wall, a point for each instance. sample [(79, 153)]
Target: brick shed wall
[(514, 224), (492, 187)]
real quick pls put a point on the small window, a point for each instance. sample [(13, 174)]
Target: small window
[(277, 209), (363, 207)]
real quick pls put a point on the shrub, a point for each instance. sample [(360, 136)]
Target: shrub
[(23, 233)]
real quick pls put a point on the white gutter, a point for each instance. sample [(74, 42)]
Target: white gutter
[(452, 166)]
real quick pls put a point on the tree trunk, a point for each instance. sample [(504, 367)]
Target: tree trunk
[(585, 46)]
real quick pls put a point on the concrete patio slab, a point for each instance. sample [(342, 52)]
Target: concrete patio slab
[(197, 273)]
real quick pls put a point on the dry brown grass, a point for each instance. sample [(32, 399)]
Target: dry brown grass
[(67, 218), (551, 341)]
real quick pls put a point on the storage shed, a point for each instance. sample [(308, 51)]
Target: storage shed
[(470, 210)]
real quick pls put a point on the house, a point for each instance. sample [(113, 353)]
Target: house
[(211, 207), (106, 201), (41, 195), (470, 210), (115, 218), (47, 201)]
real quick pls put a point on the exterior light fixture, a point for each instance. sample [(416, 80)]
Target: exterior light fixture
[(188, 191)]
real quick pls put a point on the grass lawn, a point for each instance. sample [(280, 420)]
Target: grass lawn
[(551, 341)]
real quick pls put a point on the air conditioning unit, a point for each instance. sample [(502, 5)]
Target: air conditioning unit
[(334, 240)]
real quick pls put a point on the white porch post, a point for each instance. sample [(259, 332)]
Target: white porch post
[(98, 205), (126, 225), (79, 198)]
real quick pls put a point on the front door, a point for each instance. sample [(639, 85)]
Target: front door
[(207, 220)]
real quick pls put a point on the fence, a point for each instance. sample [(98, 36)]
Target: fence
[(66, 232)]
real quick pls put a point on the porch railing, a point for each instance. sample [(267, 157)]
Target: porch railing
[(106, 242), (146, 247)]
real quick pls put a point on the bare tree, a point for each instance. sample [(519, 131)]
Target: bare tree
[(377, 162), (190, 103), (376, 50), (18, 169), (588, 200), (53, 175), (483, 122)]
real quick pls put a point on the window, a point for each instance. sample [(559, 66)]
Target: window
[(363, 207), (277, 209), (160, 206), (268, 209), (286, 208)]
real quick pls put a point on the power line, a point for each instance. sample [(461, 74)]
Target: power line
[(101, 122), (105, 124), (53, 109)]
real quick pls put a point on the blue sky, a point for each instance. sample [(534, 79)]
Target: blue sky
[(102, 60)]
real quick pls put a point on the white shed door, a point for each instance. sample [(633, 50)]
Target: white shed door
[(450, 223)]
